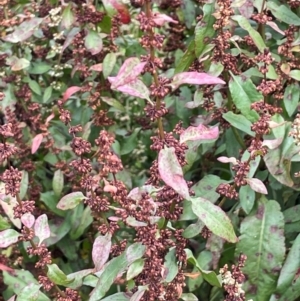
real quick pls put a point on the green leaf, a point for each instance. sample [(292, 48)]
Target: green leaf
[(134, 252), (214, 218), (58, 182), (8, 237), (35, 87), (108, 276), (4, 223), (193, 230), (188, 9), (114, 103), (24, 184), (295, 74), (239, 121), (19, 280), (47, 94), (204, 260), (109, 63), (70, 200), (283, 13), (68, 18), (204, 29), (78, 278), (117, 297), (256, 37), (291, 98), (135, 269), (39, 68), (206, 187), (262, 241), (171, 265), (57, 276), (93, 42), (292, 214), (187, 58), (188, 297), (247, 198), (130, 143), (209, 276), (244, 93), (290, 267), (30, 292), (85, 220)]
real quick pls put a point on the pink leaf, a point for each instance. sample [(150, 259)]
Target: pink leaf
[(136, 88), (97, 67), (275, 27), (201, 132), (70, 91), (257, 185), (49, 118), (194, 78), (129, 71), (27, 220), (171, 171), (247, 9), (101, 250), (41, 228), (272, 144), (36, 142), (161, 19), (228, 160)]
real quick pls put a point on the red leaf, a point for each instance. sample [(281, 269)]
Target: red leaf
[(122, 10), (171, 171), (194, 78), (70, 91), (36, 142), (6, 268), (257, 185), (201, 132)]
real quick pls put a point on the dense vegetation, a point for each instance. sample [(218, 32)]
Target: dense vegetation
[(149, 150)]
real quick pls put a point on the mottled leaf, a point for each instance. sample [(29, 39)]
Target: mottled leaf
[(201, 132), (262, 241), (70, 200), (291, 98), (171, 171), (8, 237), (109, 64), (68, 18), (247, 198), (129, 71), (194, 78), (257, 185), (93, 42), (41, 228), (214, 218), (283, 13), (28, 219), (101, 250)]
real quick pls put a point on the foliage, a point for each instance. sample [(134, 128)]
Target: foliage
[(150, 150)]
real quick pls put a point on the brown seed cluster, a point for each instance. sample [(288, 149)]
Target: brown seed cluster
[(233, 280)]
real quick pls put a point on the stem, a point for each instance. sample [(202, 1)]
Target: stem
[(155, 76), (261, 27)]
